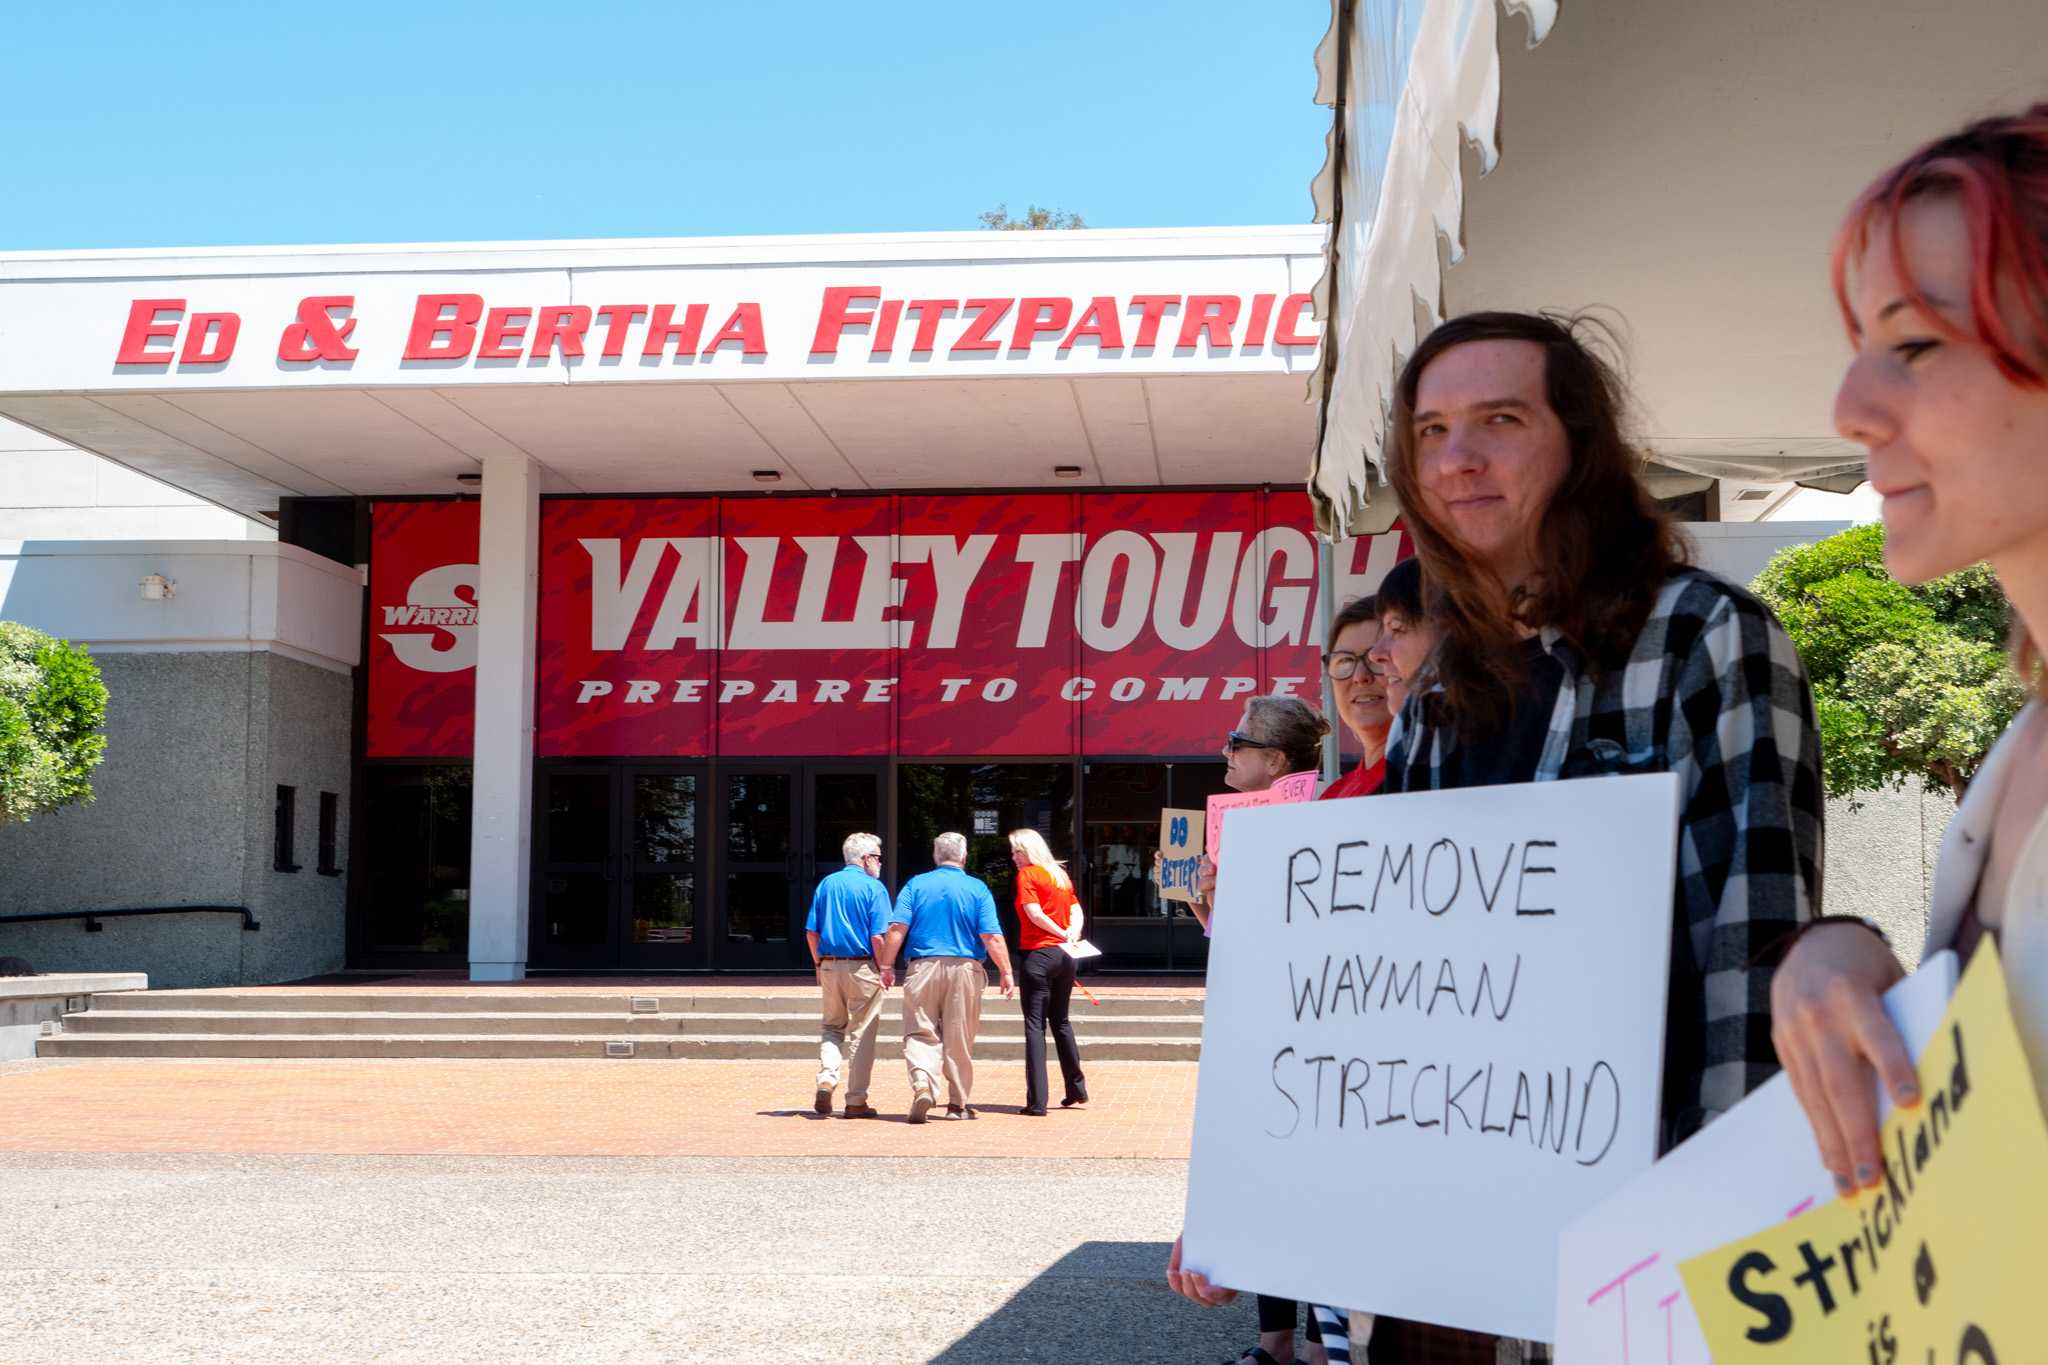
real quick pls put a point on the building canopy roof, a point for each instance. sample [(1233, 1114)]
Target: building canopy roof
[(936, 360)]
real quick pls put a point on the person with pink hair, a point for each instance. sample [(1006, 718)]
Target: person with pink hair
[(1941, 270)]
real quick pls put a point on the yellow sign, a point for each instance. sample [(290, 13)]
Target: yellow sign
[(1937, 1263)]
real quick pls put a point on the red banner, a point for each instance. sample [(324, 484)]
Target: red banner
[(1129, 624), (423, 614)]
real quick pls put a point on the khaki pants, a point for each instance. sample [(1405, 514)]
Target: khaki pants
[(941, 1010), (853, 1010)]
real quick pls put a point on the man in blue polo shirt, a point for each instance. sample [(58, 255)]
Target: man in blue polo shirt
[(849, 915), (945, 925)]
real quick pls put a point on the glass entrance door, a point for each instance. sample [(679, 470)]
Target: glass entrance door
[(615, 867), (659, 906), (781, 829)]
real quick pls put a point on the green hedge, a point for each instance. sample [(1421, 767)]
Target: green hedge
[(53, 708), (1910, 682)]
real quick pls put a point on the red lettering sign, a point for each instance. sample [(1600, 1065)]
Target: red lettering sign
[(143, 328)]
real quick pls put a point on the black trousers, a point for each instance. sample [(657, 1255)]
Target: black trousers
[(1279, 1315), (1047, 984)]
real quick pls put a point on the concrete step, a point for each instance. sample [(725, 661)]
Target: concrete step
[(760, 1004), (704, 1047), (1089, 1024)]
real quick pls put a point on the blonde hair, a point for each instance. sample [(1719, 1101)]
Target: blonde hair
[(1032, 845), (1292, 726)]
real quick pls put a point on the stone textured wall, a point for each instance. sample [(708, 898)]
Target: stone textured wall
[(1880, 862), (299, 719), (196, 743)]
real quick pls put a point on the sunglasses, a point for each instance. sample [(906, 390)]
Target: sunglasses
[(1240, 740)]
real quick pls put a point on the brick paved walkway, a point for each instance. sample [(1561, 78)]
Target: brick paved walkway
[(562, 1108)]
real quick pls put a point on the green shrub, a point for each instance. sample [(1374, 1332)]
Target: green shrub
[(1908, 681), (53, 707)]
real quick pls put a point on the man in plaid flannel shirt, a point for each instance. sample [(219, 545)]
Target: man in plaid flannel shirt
[(1710, 689)]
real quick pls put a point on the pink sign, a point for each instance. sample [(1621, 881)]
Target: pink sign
[(1289, 790)]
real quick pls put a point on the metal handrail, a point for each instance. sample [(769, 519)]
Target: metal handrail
[(92, 918)]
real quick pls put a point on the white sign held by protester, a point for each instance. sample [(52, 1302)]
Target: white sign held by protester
[(1433, 1037), (1618, 1285)]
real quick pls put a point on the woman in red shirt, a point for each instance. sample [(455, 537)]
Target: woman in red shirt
[(1361, 695), (1048, 918)]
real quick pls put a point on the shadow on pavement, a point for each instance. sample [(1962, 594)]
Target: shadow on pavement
[(1105, 1303)]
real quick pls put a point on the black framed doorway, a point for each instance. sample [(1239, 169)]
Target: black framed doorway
[(617, 880), (672, 866), (781, 824)]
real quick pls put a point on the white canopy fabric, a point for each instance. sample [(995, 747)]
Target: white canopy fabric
[(1405, 79)]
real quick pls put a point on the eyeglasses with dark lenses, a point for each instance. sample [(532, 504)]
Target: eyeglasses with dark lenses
[(1240, 740)]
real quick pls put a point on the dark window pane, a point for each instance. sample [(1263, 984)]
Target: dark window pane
[(1120, 823), (284, 817), (577, 907), (933, 798), (847, 803), (579, 817), (664, 908), (665, 818), (330, 827), (418, 851), (757, 817), (1120, 829), (757, 907)]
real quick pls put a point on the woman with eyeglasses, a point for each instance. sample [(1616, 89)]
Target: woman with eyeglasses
[(1276, 736), (1361, 695), (1048, 918)]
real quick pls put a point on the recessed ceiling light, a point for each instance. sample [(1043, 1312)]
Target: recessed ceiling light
[(767, 476), (1066, 471), (1753, 495), (469, 480)]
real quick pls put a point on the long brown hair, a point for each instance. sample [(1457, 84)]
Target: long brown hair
[(1602, 548), (1996, 170)]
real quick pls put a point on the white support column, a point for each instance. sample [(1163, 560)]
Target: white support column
[(501, 824), (1326, 608)]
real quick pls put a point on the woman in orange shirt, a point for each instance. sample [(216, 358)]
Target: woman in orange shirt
[(1048, 917)]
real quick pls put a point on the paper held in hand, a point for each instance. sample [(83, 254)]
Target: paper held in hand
[(1433, 1036), (1081, 950), (1294, 787), (1938, 1261), (1618, 1283)]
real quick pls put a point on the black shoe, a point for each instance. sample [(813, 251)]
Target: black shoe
[(1030, 1113), (1078, 1097), (823, 1103)]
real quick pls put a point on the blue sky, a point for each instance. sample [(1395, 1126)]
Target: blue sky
[(147, 124)]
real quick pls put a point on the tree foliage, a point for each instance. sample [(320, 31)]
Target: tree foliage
[(1034, 219), (1908, 681), (53, 707)]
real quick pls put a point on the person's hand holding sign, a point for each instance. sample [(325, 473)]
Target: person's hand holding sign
[(1829, 1027), (1193, 1284)]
